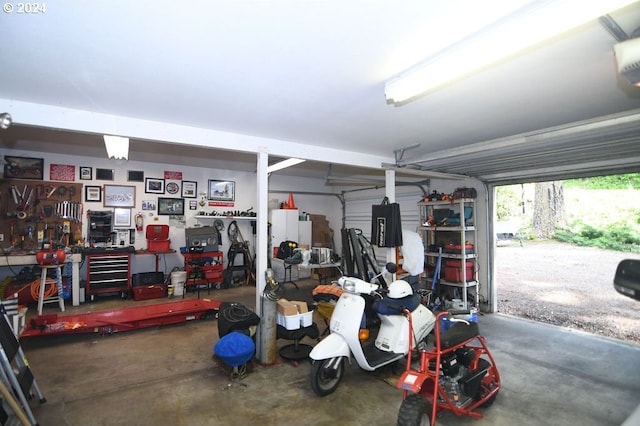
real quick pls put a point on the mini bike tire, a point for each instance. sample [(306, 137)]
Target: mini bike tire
[(415, 410), (320, 383), (489, 401)]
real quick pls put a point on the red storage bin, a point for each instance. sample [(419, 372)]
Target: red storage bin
[(453, 271), (144, 292), (158, 238)]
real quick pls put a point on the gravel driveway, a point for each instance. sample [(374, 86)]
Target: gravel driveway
[(566, 285)]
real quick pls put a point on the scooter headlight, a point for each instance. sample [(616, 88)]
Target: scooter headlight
[(349, 285)]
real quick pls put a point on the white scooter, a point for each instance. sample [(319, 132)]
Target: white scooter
[(347, 321)]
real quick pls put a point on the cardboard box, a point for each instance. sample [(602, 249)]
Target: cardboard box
[(291, 307), (301, 306), (286, 308)]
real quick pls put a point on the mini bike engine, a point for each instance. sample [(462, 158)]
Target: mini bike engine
[(462, 375)]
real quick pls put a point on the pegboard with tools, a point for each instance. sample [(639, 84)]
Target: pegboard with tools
[(32, 213)]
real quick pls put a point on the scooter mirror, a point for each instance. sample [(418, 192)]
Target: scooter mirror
[(391, 267), (627, 278)]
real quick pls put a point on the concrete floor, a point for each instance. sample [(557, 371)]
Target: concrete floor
[(166, 376)]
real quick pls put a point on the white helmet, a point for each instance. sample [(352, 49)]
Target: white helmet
[(399, 289)]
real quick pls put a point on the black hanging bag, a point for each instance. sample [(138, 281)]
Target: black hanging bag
[(386, 226)]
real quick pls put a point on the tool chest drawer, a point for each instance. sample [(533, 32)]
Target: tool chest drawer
[(108, 273)]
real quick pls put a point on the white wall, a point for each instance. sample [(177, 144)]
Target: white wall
[(310, 195), (245, 198), (358, 215)]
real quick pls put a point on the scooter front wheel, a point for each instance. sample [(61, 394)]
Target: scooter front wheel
[(415, 410), (326, 375)]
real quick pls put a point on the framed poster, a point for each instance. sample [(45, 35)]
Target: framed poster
[(154, 186), (119, 196), (171, 206), (23, 167), (93, 193), (121, 217), (135, 176), (189, 189), (63, 172), (86, 173), (222, 190), (148, 205), (104, 174)]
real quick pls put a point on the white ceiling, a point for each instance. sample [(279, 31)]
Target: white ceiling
[(307, 73)]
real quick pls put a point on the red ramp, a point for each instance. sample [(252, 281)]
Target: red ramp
[(126, 319)]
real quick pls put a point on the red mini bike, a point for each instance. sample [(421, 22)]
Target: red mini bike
[(459, 374)]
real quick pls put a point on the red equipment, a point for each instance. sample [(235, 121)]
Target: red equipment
[(158, 238), (459, 374), (116, 320), (50, 257)]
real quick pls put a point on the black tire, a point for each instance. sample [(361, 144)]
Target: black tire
[(489, 401), (324, 380), (415, 410)]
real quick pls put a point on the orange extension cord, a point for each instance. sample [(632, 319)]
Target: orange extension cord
[(51, 291)]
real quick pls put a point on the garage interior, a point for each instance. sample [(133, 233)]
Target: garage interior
[(239, 87)]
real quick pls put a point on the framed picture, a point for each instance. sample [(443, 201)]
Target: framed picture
[(23, 167), (154, 186), (93, 193), (189, 189), (121, 218), (104, 174), (222, 190), (171, 206), (135, 176), (119, 196), (86, 173), (63, 172)]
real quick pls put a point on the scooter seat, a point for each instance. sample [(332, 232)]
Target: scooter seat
[(389, 306)]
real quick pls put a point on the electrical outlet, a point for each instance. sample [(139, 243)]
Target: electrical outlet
[(1, 238)]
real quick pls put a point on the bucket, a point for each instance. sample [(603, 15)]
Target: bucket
[(472, 316), (178, 278)]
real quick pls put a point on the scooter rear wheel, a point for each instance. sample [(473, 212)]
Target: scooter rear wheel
[(324, 378), (415, 410)]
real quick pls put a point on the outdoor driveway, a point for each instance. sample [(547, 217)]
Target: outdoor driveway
[(566, 285)]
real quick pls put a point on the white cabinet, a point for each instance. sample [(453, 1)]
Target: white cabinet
[(284, 226), (448, 232)]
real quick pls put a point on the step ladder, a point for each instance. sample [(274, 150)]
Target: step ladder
[(17, 380)]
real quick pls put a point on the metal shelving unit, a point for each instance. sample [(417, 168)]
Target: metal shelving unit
[(448, 226)]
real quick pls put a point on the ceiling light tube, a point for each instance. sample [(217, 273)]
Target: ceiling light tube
[(117, 147), (525, 28), (284, 164)]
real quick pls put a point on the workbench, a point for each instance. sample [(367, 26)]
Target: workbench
[(307, 267), (30, 259)]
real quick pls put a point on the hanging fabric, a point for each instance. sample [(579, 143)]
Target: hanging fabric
[(386, 226)]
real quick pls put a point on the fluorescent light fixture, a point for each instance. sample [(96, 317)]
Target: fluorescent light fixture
[(117, 147), (628, 60), (284, 164), (526, 27)]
